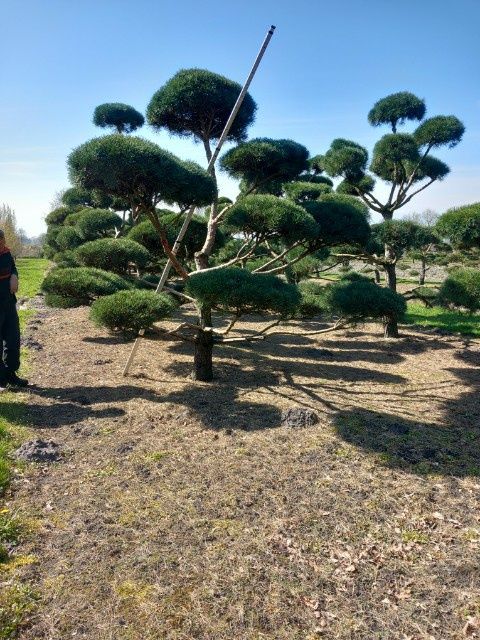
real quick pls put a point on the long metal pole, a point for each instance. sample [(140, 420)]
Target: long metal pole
[(211, 164)]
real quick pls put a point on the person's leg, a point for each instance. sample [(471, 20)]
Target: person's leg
[(3, 370), (11, 337)]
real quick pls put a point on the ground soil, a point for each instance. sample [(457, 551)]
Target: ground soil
[(183, 510)]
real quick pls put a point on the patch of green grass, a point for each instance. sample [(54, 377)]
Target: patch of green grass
[(17, 600), (10, 527), (412, 535), (30, 275), (454, 321), (12, 418)]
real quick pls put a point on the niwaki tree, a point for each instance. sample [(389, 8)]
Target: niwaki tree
[(286, 213), (402, 160), (196, 103)]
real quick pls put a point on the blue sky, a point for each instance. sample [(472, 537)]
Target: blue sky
[(325, 67)]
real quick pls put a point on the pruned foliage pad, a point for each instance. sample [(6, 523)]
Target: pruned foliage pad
[(113, 254), (354, 297), (74, 287), (240, 290), (130, 311)]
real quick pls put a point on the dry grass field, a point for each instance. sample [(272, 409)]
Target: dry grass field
[(185, 510)]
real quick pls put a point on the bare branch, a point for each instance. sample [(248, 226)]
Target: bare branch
[(285, 266), (179, 294), (276, 258), (415, 193)]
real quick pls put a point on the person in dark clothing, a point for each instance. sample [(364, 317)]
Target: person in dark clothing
[(9, 324)]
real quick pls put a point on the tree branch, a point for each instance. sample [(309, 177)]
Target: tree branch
[(152, 214)]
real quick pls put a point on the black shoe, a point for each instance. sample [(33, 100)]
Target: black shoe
[(12, 379)]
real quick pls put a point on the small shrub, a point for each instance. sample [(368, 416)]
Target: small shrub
[(130, 311), (63, 286), (65, 302), (113, 254), (413, 272), (314, 299), (462, 289), (358, 297)]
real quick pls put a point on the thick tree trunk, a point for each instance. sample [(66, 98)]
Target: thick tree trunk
[(423, 270), (390, 324), (203, 357), (377, 276)]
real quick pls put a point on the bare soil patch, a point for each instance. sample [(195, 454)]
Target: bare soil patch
[(184, 510)]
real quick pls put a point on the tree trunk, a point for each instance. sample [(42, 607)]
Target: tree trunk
[(202, 256), (377, 276), (390, 325), (203, 357), (423, 269)]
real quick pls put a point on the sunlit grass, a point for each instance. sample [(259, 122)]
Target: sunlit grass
[(454, 321), (31, 272)]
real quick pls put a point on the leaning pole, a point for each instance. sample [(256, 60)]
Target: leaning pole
[(210, 166)]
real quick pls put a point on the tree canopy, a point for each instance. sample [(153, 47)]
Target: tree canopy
[(241, 291), (396, 109), (119, 116), (198, 102), (264, 164), (139, 171), (461, 226), (266, 216)]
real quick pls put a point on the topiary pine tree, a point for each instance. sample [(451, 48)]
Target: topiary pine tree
[(402, 160), (197, 103), (119, 116), (286, 212)]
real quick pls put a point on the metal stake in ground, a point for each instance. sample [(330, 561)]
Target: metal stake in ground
[(211, 164)]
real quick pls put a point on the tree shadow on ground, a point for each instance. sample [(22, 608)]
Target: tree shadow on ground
[(266, 361), (117, 339), (449, 447), (412, 446), (219, 410), (59, 414), (82, 395)]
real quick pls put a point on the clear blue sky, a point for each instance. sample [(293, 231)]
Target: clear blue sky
[(326, 65)]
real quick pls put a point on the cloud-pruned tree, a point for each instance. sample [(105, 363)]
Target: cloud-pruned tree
[(235, 252), (402, 160)]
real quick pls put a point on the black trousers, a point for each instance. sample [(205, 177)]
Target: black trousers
[(9, 337)]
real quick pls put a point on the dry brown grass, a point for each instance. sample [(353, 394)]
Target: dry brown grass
[(183, 510)]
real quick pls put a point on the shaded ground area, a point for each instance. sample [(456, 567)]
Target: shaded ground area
[(185, 511)]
